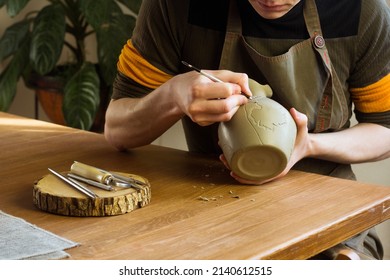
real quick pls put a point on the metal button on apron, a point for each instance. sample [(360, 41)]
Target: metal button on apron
[(319, 41)]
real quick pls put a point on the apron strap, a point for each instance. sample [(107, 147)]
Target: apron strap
[(313, 26), (233, 28), (234, 20)]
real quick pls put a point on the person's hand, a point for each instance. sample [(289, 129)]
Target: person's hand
[(207, 102), (300, 151)]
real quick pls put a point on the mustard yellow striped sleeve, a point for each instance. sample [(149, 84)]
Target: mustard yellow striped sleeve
[(133, 65), (374, 98)]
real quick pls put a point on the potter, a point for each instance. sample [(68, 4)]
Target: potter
[(258, 141)]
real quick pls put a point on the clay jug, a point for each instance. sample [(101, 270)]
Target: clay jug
[(258, 141)]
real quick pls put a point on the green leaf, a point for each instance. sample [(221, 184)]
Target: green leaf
[(15, 6), (82, 98), (47, 38), (132, 5), (110, 40), (113, 28), (12, 38), (10, 76), (98, 12), (8, 81)]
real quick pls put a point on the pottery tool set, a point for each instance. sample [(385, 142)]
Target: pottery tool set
[(86, 190)]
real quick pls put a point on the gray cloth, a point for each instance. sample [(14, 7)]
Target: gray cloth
[(22, 240)]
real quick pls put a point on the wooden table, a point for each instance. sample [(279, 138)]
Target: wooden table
[(295, 217)]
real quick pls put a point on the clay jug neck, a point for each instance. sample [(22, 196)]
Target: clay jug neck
[(259, 90)]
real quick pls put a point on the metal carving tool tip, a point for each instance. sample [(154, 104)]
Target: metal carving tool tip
[(211, 77)]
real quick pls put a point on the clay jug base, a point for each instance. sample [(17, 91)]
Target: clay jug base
[(258, 163)]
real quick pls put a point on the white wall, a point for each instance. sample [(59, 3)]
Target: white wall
[(378, 173)]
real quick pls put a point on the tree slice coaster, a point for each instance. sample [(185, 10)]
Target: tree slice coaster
[(53, 195)]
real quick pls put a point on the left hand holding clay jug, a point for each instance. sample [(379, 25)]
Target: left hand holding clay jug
[(258, 141)]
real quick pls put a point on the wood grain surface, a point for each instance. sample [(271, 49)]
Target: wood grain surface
[(197, 211), (53, 195)]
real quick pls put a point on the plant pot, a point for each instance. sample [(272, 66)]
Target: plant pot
[(49, 91), (50, 94), (51, 103)]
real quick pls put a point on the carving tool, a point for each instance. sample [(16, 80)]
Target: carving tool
[(211, 77), (91, 182), (75, 184)]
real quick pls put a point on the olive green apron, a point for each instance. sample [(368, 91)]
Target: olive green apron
[(317, 93)]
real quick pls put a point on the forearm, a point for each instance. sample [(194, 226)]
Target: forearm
[(364, 142), (134, 122)]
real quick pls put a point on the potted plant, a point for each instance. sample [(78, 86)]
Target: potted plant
[(31, 48)]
